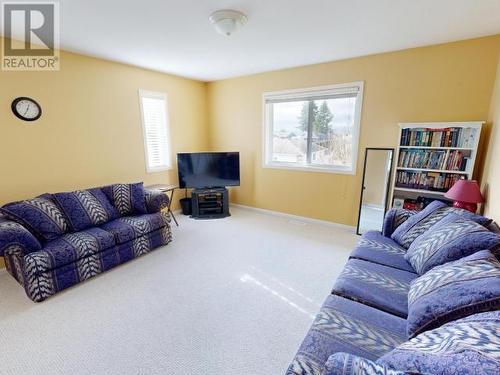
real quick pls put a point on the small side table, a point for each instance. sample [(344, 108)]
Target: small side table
[(167, 189)]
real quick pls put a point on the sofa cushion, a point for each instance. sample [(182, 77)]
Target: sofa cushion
[(128, 199), (129, 228), (450, 239), (453, 291), (382, 287), (349, 364), (39, 215), (419, 223), (377, 248), (86, 208), (68, 249), (346, 326), (467, 346)]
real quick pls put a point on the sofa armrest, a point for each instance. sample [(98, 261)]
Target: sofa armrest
[(155, 200), (349, 364), (394, 218), (14, 235)]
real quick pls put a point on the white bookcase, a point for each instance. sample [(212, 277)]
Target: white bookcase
[(431, 156)]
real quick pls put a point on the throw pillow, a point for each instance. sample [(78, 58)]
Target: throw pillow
[(468, 346), (453, 291), (452, 238), (86, 208), (418, 224), (394, 218), (39, 215), (129, 199)]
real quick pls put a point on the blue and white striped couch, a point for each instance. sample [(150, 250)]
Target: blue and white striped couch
[(45, 267), (362, 327)]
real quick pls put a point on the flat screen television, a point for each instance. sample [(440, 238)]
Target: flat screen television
[(208, 169)]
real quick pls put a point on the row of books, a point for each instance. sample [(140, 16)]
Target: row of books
[(446, 160), (426, 180), (448, 137), (456, 161)]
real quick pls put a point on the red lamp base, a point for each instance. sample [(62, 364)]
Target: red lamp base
[(472, 207)]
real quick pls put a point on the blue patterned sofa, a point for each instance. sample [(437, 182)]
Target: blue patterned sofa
[(55, 241), (420, 297)]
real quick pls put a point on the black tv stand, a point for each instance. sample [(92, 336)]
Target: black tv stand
[(210, 203)]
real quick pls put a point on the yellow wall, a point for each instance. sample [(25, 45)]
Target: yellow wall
[(491, 175), (90, 132), (450, 82)]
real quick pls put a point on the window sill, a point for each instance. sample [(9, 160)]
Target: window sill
[(316, 169)]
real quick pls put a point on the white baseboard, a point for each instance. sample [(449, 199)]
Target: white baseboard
[(296, 217)]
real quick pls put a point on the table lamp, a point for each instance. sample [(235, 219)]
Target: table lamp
[(465, 194)]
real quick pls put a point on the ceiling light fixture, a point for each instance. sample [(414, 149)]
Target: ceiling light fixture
[(227, 21)]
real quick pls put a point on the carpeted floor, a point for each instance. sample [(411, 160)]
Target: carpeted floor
[(233, 296)]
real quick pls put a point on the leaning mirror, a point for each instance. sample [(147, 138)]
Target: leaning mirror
[(374, 189)]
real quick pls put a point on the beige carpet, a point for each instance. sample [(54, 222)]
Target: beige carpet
[(231, 296)]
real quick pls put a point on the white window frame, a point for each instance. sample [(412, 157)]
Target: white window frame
[(305, 93), (163, 96)]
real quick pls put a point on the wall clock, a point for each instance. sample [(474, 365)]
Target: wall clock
[(26, 109)]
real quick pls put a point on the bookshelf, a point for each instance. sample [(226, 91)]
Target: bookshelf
[(430, 158)]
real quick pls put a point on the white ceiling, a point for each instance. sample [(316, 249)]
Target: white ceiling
[(176, 36)]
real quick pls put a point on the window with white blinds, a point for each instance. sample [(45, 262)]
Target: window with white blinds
[(314, 129), (155, 130)]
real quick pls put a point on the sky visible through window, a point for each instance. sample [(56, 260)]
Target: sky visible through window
[(286, 114)]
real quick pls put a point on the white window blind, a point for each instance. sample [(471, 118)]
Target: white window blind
[(155, 130), (313, 129), (313, 94)]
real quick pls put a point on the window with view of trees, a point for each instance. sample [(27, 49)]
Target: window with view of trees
[(314, 129)]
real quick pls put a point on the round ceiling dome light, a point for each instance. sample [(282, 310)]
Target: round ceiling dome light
[(227, 21)]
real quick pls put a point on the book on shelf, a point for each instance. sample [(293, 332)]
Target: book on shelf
[(433, 159), (446, 137), (433, 181)]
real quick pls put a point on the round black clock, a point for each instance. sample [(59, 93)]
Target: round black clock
[(26, 109)]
